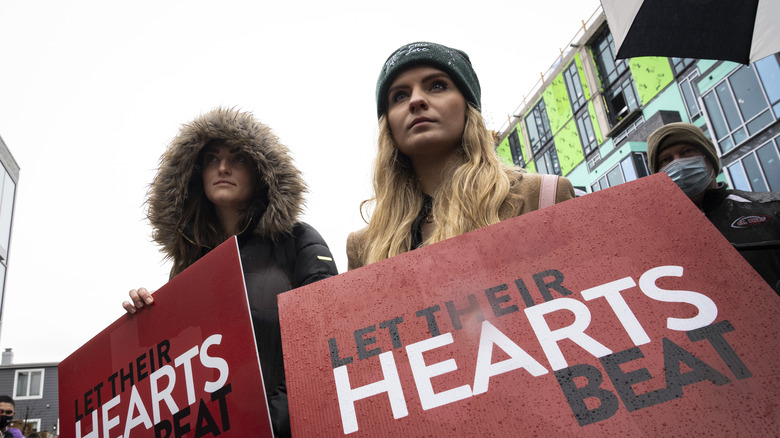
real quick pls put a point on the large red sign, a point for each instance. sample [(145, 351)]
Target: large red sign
[(186, 367), (620, 313)]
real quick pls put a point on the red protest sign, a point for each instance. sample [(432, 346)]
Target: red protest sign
[(187, 367), (621, 312)]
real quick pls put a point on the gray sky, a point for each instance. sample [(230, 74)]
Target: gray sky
[(91, 93)]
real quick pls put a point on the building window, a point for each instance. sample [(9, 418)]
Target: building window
[(632, 167), (600, 184), (690, 94), (610, 69), (516, 149), (769, 72), (628, 130), (616, 78), (738, 108), (574, 86), (758, 171), (538, 126), (621, 99), (680, 64), (548, 161), (28, 384), (593, 160), (587, 135), (580, 111)]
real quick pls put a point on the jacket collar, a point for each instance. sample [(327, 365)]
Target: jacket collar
[(713, 197)]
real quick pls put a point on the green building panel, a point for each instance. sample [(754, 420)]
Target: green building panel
[(651, 75), (595, 64), (594, 121), (504, 153), (504, 150), (530, 166), (581, 73), (569, 148), (556, 99), (520, 140)]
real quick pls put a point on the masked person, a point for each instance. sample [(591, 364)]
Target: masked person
[(749, 220), (436, 174), (7, 411), (227, 174)]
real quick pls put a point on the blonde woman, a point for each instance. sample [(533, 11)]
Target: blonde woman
[(436, 173)]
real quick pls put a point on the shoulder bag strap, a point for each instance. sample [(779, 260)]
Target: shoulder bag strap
[(548, 190)]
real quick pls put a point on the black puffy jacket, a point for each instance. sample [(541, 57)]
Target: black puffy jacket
[(751, 222), (278, 252), (271, 268)]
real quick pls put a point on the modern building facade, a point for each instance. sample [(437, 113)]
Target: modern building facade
[(589, 118), (35, 390), (34, 387)]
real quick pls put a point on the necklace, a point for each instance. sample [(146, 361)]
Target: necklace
[(427, 209)]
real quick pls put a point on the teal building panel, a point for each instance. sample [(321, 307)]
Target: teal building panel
[(705, 64), (669, 100), (579, 176), (715, 75), (607, 147)]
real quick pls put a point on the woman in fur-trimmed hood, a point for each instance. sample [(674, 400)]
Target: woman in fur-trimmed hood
[(177, 202), (227, 174)]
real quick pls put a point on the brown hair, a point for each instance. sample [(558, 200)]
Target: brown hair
[(199, 224)]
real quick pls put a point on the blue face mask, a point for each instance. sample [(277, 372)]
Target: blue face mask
[(690, 174)]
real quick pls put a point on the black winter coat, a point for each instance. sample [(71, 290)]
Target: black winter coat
[(278, 252), (270, 269), (751, 222)]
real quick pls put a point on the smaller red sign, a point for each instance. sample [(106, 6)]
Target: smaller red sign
[(186, 367)]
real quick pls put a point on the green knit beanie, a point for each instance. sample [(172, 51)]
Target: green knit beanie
[(680, 132), (454, 62)]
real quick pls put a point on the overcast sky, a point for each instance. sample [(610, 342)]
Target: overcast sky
[(91, 93)]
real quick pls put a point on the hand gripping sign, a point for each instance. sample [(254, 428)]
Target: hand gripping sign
[(187, 367), (620, 313)]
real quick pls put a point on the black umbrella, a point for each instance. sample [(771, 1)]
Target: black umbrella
[(734, 30)]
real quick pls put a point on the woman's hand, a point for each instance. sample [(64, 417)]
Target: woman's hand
[(138, 298)]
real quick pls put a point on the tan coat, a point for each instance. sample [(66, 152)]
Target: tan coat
[(523, 198)]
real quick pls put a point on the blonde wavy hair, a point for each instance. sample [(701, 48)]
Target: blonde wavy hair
[(474, 186)]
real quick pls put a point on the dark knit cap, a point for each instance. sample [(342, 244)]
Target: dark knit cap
[(454, 62), (680, 132)]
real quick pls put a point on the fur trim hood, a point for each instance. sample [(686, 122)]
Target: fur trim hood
[(168, 193)]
